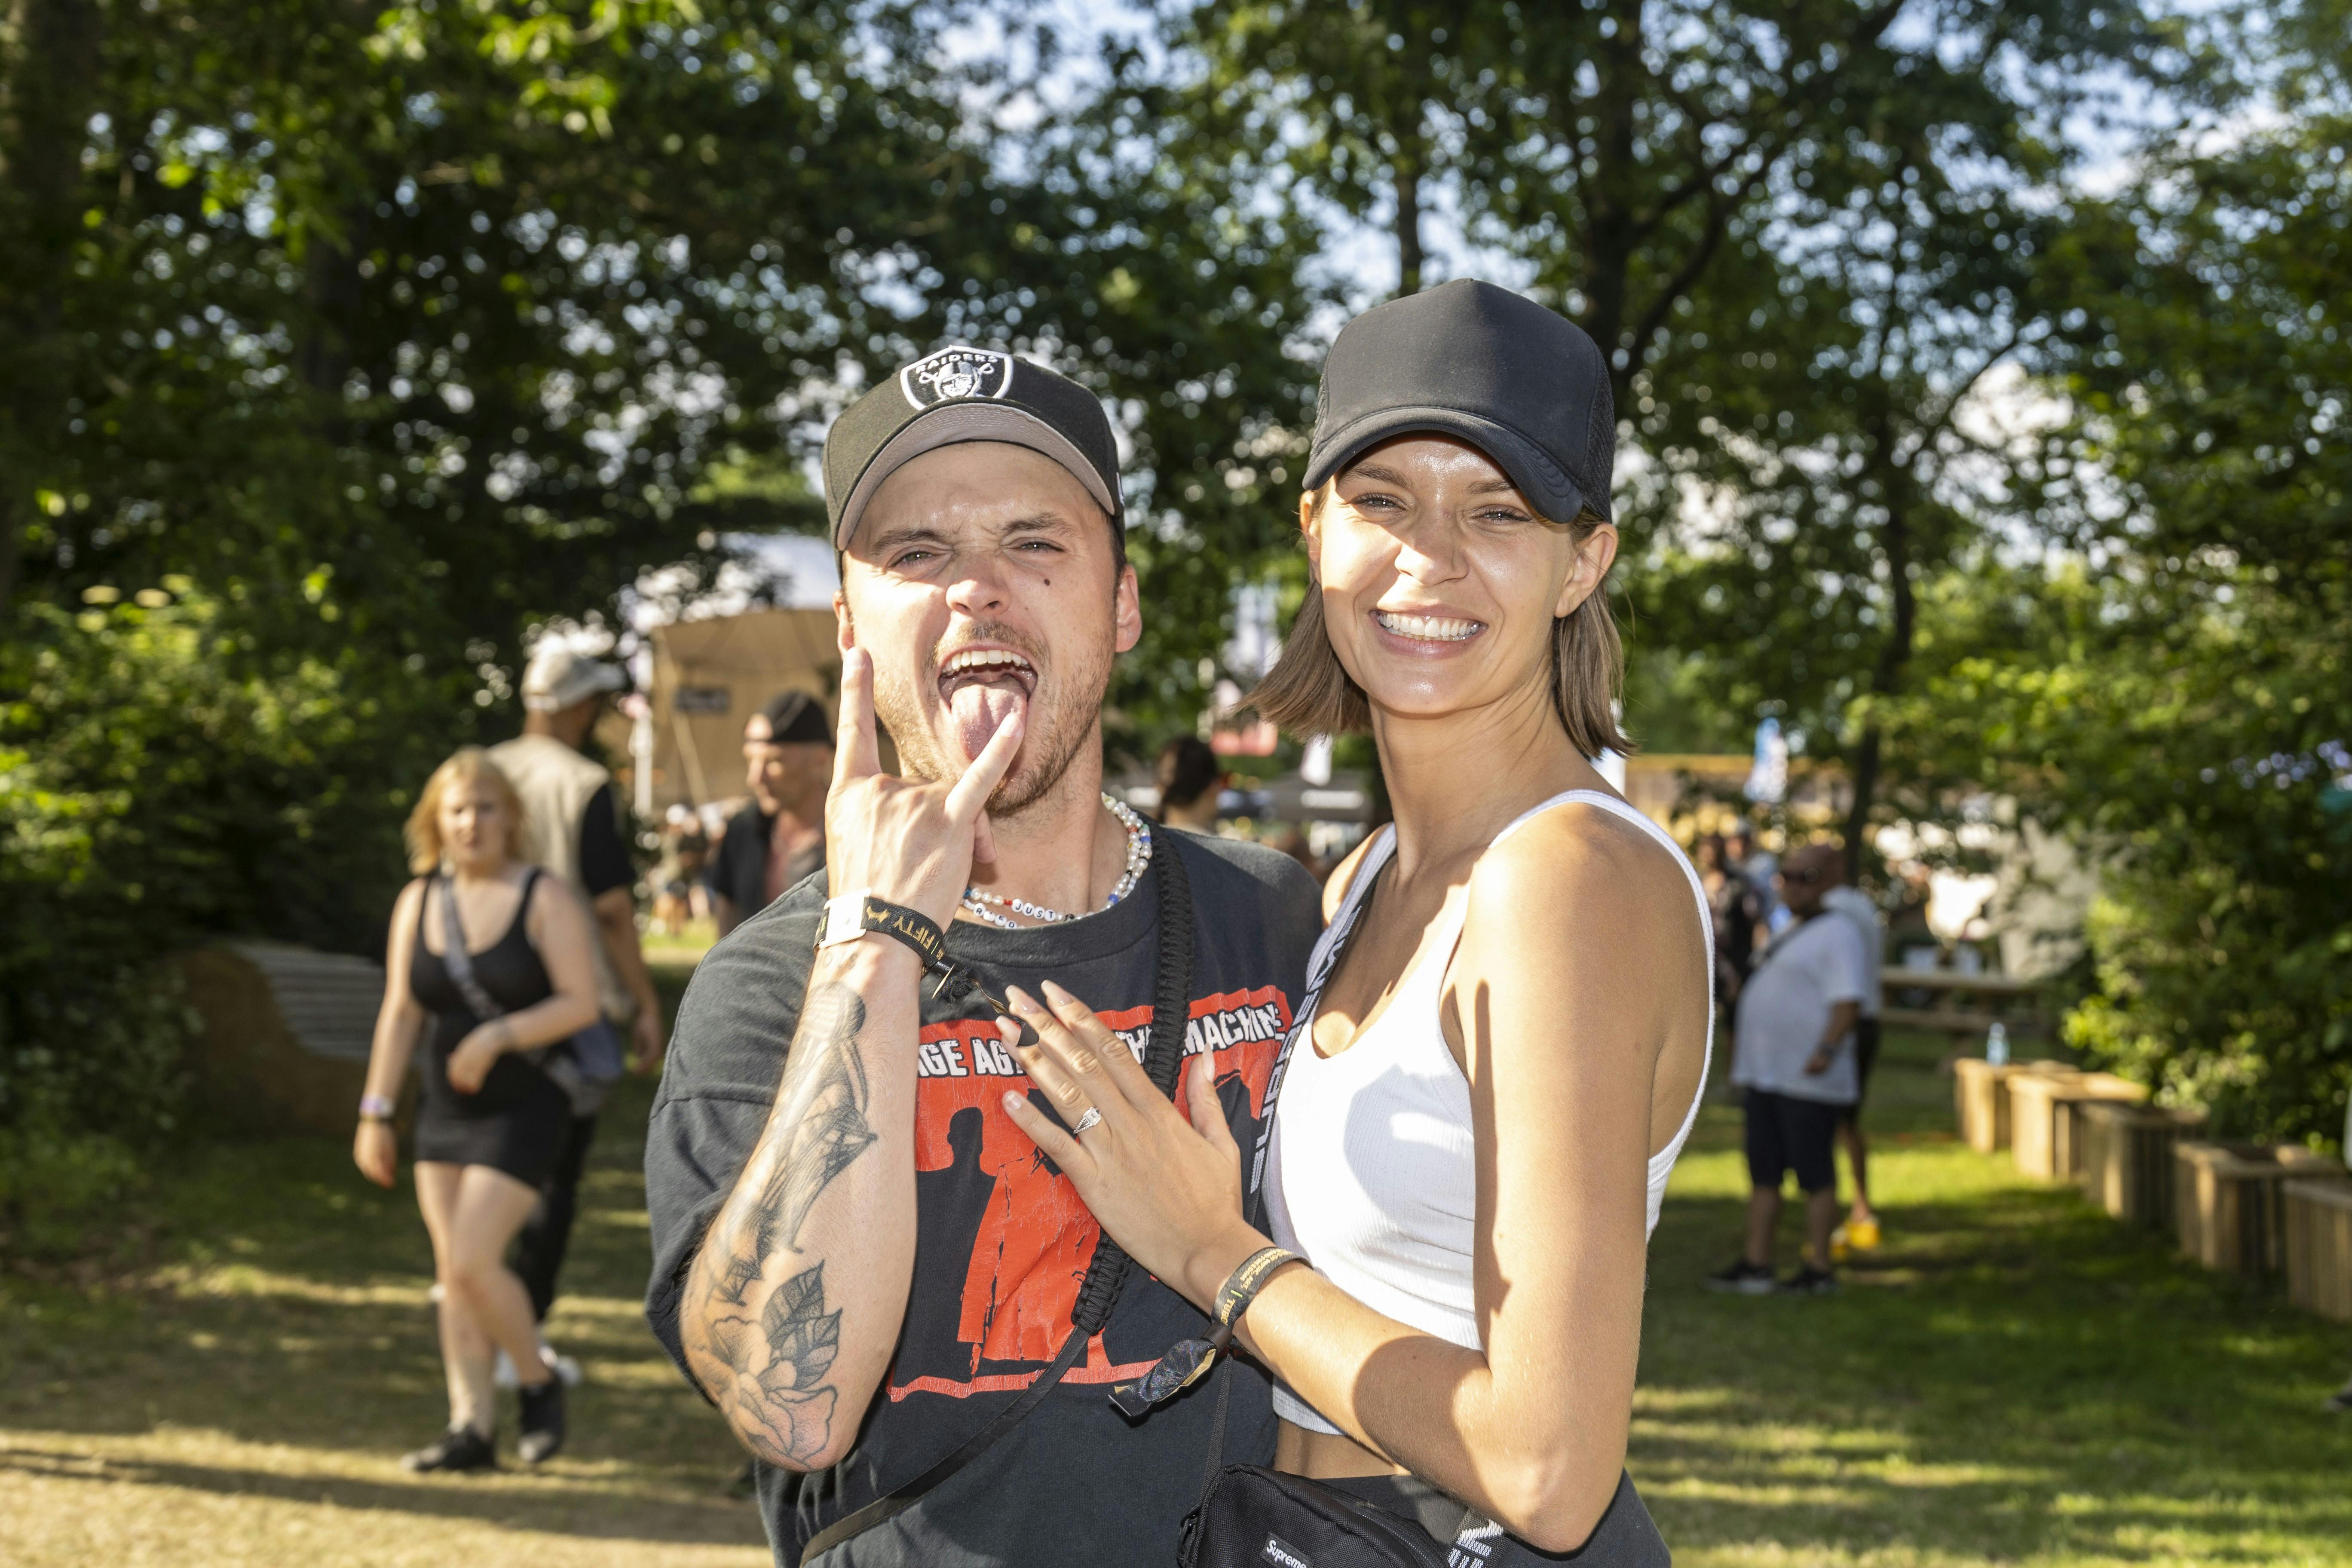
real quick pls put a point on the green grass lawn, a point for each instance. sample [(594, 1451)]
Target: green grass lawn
[(2014, 1378), (234, 1380)]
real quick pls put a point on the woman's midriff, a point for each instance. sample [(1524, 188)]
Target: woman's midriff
[(1326, 1456)]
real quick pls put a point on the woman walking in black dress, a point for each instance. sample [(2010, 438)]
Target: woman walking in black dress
[(490, 1121)]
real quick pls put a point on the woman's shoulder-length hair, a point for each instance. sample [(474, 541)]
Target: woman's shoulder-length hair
[(467, 765), (1308, 692)]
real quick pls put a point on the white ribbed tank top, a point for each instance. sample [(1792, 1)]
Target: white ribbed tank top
[(1371, 1177)]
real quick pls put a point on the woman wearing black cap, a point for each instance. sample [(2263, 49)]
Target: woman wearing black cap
[(1507, 1023)]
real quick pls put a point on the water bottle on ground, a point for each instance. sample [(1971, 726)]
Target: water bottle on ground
[(1996, 1044)]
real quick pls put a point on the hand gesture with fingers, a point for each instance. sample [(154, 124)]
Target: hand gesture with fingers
[(903, 840), (1166, 1186)]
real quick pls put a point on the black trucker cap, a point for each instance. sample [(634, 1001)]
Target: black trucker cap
[(1520, 382), (796, 718), (965, 395)]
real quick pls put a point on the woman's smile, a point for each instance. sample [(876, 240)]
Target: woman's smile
[(1426, 633)]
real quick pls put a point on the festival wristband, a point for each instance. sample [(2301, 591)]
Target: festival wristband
[(849, 916), (1188, 1361), (375, 1108), (1240, 1288)]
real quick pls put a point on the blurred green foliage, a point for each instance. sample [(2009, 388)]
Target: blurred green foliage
[(163, 775), (351, 344), (2179, 691)]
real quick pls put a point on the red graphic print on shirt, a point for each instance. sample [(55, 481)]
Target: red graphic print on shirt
[(1035, 1236)]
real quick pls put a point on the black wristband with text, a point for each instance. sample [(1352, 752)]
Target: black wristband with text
[(850, 916)]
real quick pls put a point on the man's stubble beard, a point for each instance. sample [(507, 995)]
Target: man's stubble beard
[(1051, 741)]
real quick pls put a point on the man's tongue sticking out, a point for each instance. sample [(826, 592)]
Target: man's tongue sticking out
[(979, 707)]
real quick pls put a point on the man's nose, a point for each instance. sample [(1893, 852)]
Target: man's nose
[(979, 586)]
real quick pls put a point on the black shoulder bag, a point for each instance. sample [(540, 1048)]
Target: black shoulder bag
[(583, 1065), (1106, 1273)]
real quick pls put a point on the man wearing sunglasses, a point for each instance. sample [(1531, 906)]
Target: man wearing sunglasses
[(1793, 1054)]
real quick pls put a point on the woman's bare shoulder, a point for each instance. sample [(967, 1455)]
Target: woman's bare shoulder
[(1584, 870)]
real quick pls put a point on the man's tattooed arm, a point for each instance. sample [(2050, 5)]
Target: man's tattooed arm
[(784, 1409), (754, 1315)]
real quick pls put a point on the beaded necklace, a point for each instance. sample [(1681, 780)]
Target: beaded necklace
[(977, 903)]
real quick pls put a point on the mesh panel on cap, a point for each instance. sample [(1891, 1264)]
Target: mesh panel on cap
[(1601, 448)]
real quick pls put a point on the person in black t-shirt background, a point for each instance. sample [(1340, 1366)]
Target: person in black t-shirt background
[(779, 838), (573, 828), (864, 1265), (1191, 779)]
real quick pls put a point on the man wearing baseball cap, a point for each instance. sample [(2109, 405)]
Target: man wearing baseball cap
[(572, 828), (779, 836), (907, 1315)]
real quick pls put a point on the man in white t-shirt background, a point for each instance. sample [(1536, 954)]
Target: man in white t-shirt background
[(1793, 1054), (1848, 903)]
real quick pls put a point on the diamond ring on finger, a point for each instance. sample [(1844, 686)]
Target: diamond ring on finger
[(1092, 1117)]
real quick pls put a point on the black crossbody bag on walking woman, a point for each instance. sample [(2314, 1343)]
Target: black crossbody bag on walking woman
[(583, 1065), (1107, 1273), (1251, 1516)]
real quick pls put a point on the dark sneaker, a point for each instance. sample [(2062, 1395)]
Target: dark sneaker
[(1810, 1281), (1742, 1278), (543, 1422), (460, 1448), (2338, 1403)]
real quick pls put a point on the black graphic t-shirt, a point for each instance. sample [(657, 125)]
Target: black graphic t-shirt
[(1002, 1239)]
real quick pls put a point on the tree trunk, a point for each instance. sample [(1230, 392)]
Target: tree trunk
[(1408, 226), (1610, 193), (1406, 166), (48, 89), (1894, 654)]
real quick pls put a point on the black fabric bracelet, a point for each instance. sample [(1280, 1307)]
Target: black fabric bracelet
[(1233, 1297), (954, 983), (1188, 1361), (872, 914)]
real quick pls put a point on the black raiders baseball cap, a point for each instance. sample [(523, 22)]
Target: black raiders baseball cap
[(966, 395), (1520, 382)]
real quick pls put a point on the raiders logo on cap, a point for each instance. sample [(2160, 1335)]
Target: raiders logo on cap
[(953, 374), (964, 394)]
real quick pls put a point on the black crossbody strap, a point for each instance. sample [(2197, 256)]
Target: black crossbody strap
[(456, 959), (1163, 1058), (1351, 914)]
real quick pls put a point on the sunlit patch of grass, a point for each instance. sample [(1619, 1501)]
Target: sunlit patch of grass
[(245, 1394), (2012, 1378)]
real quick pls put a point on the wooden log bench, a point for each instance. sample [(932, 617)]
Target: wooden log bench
[(2229, 1203), (2127, 1162), (1981, 1099), (2317, 1215), (285, 1036), (2044, 1138)]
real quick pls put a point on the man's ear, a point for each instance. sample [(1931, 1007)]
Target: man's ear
[(1593, 559), (1125, 610), (844, 629)]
